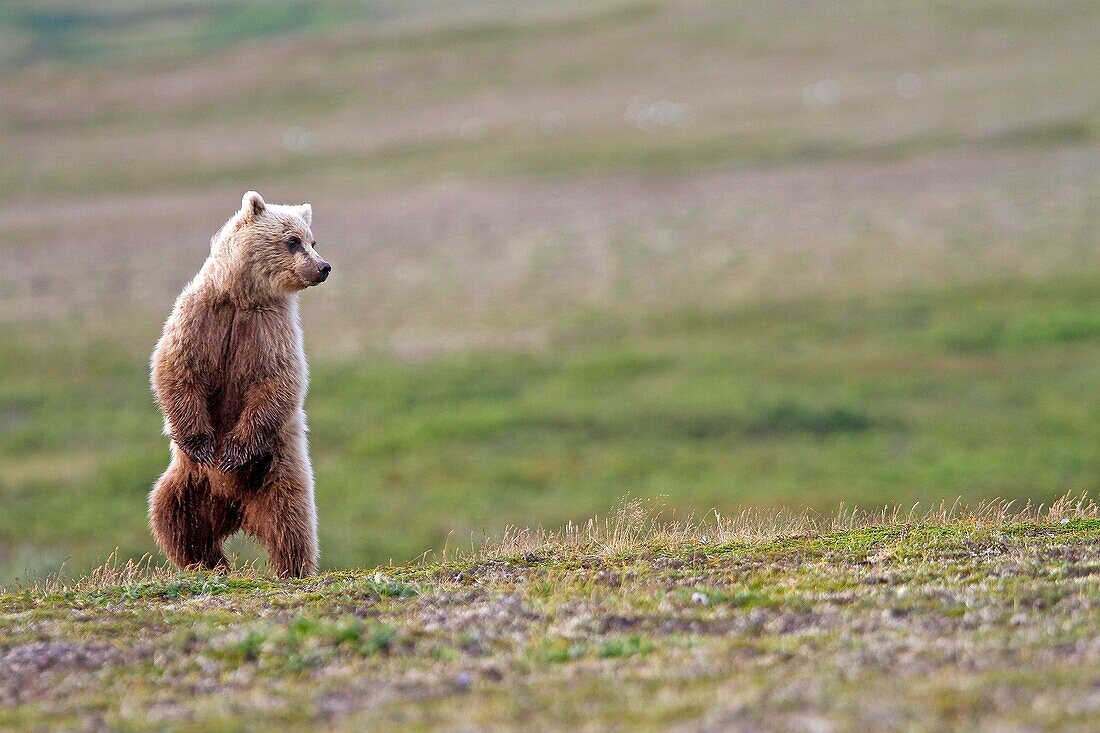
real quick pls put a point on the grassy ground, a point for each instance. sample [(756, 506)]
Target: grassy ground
[(961, 393), (73, 32), (702, 254), (951, 620), (724, 253)]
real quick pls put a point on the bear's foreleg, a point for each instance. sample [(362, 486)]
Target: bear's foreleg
[(269, 404), (182, 396), (282, 516), (188, 522)]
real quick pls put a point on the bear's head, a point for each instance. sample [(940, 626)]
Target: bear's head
[(269, 247)]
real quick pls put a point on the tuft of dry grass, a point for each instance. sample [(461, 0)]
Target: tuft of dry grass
[(116, 573), (634, 524)]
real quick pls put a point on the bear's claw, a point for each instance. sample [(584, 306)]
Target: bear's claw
[(199, 448), (233, 456)]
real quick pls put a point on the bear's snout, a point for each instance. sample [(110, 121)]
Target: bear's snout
[(314, 272)]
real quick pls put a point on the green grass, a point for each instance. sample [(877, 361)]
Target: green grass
[(970, 393), (71, 32), (858, 266), (950, 621), (342, 71)]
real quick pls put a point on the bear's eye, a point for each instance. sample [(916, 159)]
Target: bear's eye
[(293, 243)]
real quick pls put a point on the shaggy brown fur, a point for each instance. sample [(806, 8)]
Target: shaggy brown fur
[(230, 376)]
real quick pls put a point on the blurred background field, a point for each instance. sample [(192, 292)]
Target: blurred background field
[(708, 253)]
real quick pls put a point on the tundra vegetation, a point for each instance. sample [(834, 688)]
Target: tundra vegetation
[(949, 619), (724, 253), (707, 255)]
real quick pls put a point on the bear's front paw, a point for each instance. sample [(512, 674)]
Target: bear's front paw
[(234, 456), (199, 448)]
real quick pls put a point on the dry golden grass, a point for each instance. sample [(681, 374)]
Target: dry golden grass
[(632, 526), (636, 526)]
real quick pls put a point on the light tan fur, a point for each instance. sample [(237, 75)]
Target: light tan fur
[(229, 374)]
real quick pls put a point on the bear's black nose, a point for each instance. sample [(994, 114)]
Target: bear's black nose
[(325, 269)]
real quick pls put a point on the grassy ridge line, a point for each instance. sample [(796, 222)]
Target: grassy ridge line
[(951, 619), (635, 525)]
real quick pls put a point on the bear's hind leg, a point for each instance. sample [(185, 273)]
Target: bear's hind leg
[(282, 516), (188, 521)]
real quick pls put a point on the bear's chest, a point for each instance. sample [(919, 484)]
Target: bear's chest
[(251, 347)]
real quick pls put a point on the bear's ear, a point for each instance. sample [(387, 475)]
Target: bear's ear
[(306, 212), (252, 205)]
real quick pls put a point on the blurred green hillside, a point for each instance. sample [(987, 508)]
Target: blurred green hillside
[(36, 31), (712, 254)]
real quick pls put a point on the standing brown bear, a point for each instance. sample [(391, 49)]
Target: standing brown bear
[(230, 376)]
